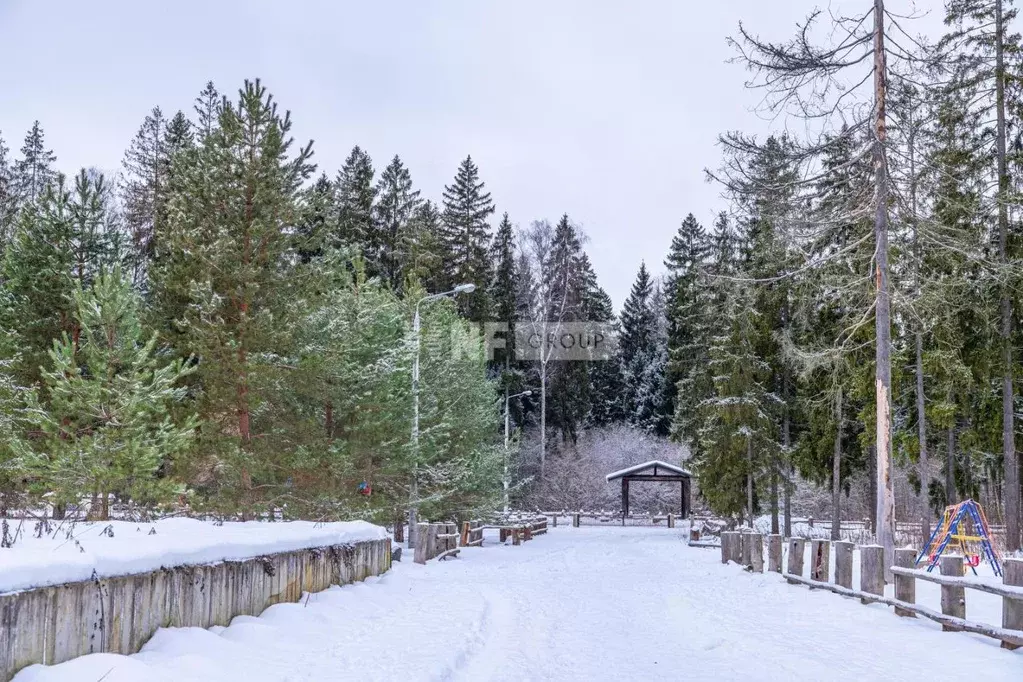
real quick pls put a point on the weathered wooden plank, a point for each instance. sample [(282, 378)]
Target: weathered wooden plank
[(844, 563), (756, 552), (872, 569), (820, 560), (797, 548), (1012, 609), (774, 553), (953, 597), (905, 585)]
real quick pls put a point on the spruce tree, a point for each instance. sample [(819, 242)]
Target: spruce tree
[(396, 207), (355, 226), (316, 220), (420, 250), (144, 188), (685, 258), (503, 290), (636, 344), (465, 237), (34, 170), (104, 424), (8, 197)]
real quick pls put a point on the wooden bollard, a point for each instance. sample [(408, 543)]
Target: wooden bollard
[(953, 599), (809, 522), (844, 564), (756, 551), (797, 547), (671, 520), (554, 521), (422, 538), (516, 536), (1012, 609), (727, 538), (820, 560), (905, 586), (871, 570), (774, 553), (736, 548), (744, 549), (465, 533), (575, 520)]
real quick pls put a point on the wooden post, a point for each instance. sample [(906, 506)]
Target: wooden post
[(820, 560), (422, 531), (844, 564), (575, 520), (953, 599), (465, 533), (516, 536), (744, 549), (809, 522), (727, 538), (872, 570), (1012, 609), (756, 545), (797, 547), (671, 520), (905, 586), (774, 553), (736, 548), (555, 520)]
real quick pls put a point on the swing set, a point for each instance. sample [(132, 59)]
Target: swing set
[(964, 527)]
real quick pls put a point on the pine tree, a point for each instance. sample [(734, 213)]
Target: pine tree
[(232, 204), (465, 237), (636, 346), (104, 423), (34, 170), (396, 207), (60, 244), (355, 226)]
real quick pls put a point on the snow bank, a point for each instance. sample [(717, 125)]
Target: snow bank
[(107, 549)]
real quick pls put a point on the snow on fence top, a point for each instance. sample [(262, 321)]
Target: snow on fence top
[(648, 465), (82, 551)]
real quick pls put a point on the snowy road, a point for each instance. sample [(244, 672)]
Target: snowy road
[(579, 604)]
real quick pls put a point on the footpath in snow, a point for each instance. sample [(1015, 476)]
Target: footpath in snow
[(72, 552), (577, 604)]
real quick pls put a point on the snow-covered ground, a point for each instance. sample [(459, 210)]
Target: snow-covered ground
[(73, 552), (604, 603)]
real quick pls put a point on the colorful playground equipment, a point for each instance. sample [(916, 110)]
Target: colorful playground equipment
[(964, 527)]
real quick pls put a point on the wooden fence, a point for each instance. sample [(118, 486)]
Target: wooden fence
[(435, 541), (472, 534), (747, 549)]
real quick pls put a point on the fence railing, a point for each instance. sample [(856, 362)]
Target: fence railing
[(746, 548)]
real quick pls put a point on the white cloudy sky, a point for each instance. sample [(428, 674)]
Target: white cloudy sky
[(605, 109)]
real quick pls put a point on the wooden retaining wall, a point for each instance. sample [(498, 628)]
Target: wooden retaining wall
[(51, 625)]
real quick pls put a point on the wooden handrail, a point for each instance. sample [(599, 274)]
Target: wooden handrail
[(1009, 591)]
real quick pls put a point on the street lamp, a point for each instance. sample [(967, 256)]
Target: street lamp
[(507, 436), (414, 494)]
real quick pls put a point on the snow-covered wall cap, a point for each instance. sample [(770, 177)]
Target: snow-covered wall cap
[(83, 551), (648, 465)]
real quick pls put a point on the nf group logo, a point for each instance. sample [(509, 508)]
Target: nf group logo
[(552, 341)]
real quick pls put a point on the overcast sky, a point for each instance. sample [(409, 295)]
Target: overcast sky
[(605, 109)]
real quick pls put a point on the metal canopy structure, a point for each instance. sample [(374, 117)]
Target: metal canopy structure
[(653, 471)]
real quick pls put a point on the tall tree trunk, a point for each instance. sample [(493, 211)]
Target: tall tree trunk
[(786, 442), (872, 485), (921, 429), (836, 472), (885, 528), (774, 496), (749, 479), (950, 466), (543, 420), (1010, 463)]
